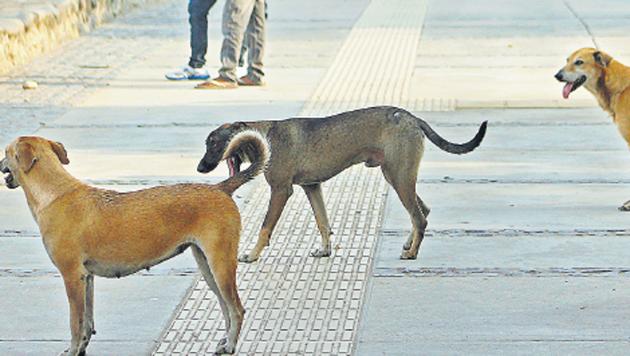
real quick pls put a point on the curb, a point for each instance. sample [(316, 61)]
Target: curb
[(30, 28)]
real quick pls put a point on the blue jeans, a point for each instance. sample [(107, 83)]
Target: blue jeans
[(198, 19)]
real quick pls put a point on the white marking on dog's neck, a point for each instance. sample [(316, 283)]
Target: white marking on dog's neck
[(45, 184)]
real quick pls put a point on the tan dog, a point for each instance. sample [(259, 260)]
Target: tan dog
[(89, 231), (607, 79)]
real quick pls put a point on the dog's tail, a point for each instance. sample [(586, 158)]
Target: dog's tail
[(257, 151), (450, 147)]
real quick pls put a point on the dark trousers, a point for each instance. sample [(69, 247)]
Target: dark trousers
[(198, 19)]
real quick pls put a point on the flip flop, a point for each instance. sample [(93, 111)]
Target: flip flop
[(217, 83), (246, 81)]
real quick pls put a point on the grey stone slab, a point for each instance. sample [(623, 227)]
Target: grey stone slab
[(503, 28), (529, 151), (519, 117), (515, 206), (495, 316), (600, 136), (492, 10), (506, 252), (592, 9), (479, 61), (519, 166), (129, 313), (18, 217), (96, 348), (321, 11), (535, 347), (197, 114), (131, 139), (615, 25)]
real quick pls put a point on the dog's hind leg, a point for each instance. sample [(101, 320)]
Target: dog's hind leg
[(279, 197), (89, 305), (425, 209), (315, 197), (403, 179), (202, 263), (418, 220), (222, 267), (391, 178)]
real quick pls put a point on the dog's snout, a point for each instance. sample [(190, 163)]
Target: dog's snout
[(3, 166), (559, 76), (202, 168)]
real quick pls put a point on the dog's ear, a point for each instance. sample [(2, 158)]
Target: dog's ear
[(25, 156), (602, 59), (60, 151), (239, 125)]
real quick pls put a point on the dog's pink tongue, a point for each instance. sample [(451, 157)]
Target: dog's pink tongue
[(230, 163), (567, 90)]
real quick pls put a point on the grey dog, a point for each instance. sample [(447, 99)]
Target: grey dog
[(309, 151)]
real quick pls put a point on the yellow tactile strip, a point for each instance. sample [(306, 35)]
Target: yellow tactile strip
[(375, 63)]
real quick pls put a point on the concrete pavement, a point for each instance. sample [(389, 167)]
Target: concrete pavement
[(525, 252), (127, 128)]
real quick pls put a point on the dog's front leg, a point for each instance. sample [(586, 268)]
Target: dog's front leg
[(279, 197), (315, 197), (75, 282)]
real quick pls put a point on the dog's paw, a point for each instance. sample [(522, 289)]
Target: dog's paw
[(407, 245), (320, 252), (625, 206), (408, 255), (70, 352), (246, 258), (223, 349), (223, 341)]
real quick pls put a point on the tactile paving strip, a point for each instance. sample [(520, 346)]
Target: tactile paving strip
[(296, 304), (299, 305), (375, 64)]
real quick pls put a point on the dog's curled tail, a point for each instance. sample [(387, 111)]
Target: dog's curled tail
[(258, 153), (454, 147)]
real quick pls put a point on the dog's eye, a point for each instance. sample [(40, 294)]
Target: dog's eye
[(579, 62)]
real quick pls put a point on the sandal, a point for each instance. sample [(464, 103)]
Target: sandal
[(218, 83), (246, 81)]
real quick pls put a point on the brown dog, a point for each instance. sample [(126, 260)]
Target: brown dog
[(308, 151), (89, 231), (607, 79)]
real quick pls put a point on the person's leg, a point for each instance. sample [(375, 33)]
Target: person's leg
[(198, 19), (236, 15), (241, 59), (256, 42)]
